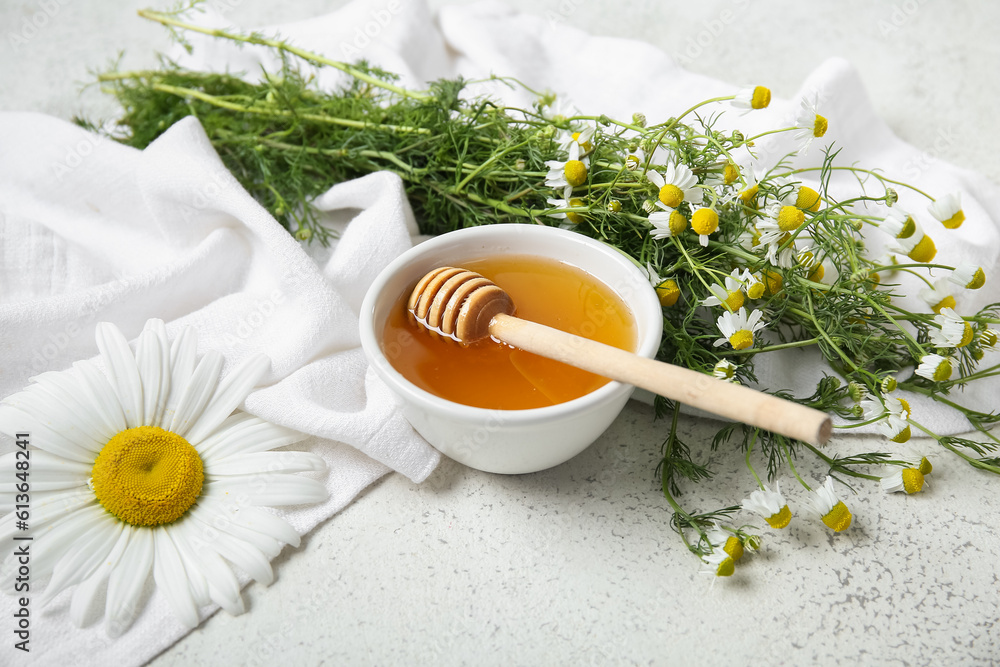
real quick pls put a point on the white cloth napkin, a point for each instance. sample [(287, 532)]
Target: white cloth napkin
[(91, 231)]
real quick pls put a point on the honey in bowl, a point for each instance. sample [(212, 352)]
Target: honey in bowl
[(489, 374)]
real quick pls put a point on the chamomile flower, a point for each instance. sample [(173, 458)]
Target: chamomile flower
[(731, 296), (725, 370), (754, 285), (723, 540), (938, 297), (667, 290), (809, 124), (583, 138), (948, 209), (667, 223), (677, 184), (570, 173), (147, 470), (769, 504), (637, 159), (571, 216), (953, 331), (908, 480), (968, 276), (720, 563), (558, 109), (749, 99), (918, 246), (705, 221), (824, 504), (738, 329), (935, 367), (898, 223), (892, 417), (988, 338)]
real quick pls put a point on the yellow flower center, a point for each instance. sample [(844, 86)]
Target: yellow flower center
[(772, 281), (755, 290), (790, 218), (943, 371), (905, 404), (924, 251), (748, 195), (967, 335), (586, 145), (816, 275), (730, 173), (671, 195), (955, 221), (575, 172), (839, 518), (734, 301), (632, 162), (913, 480), (147, 476), (807, 199), (734, 548), (819, 127), (668, 293), (677, 223), (988, 338), (761, 98), (741, 340), (705, 221), (573, 216), (925, 466), (903, 435), (909, 226), (947, 302), (726, 568), (978, 279), (781, 519)]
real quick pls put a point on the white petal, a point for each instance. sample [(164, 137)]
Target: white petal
[(83, 559), (270, 490), (267, 462), (126, 581), (220, 519), (223, 588), (102, 396), (655, 178), (197, 393), (43, 470), (14, 420), (252, 518), (232, 391), (46, 508), (82, 610), (52, 400), (55, 541), (122, 370), (196, 580), (236, 551), (246, 436), (152, 359), (171, 579), (183, 358)]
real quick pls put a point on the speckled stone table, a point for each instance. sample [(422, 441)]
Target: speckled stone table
[(578, 564)]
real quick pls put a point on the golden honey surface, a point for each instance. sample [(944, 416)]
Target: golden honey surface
[(489, 374)]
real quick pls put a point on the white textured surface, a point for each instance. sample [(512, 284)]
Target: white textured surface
[(577, 565)]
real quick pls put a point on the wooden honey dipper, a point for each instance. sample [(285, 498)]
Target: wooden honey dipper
[(468, 307)]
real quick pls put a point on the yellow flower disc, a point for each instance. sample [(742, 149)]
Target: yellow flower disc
[(677, 223), (573, 216), (978, 279), (913, 480), (586, 146), (925, 466), (671, 195), (726, 568), (967, 335), (909, 227), (772, 281), (741, 340), (730, 173), (839, 518), (988, 338), (147, 476), (668, 293), (820, 126), (816, 275), (947, 302), (955, 221), (924, 251), (781, 519), (943, 371), (756, 290), (761, 98), (790, 218), (749, 194), (734, 301), (905, 403), (704, 221), (903, 435), (575, 172), (734, 548), (807, 199)]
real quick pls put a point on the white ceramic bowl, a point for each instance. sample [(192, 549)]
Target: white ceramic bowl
[(509, 441)]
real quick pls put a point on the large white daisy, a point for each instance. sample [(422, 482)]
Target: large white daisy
[(148, 469)]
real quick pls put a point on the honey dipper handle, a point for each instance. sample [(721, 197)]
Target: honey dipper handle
[(690, 387)]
